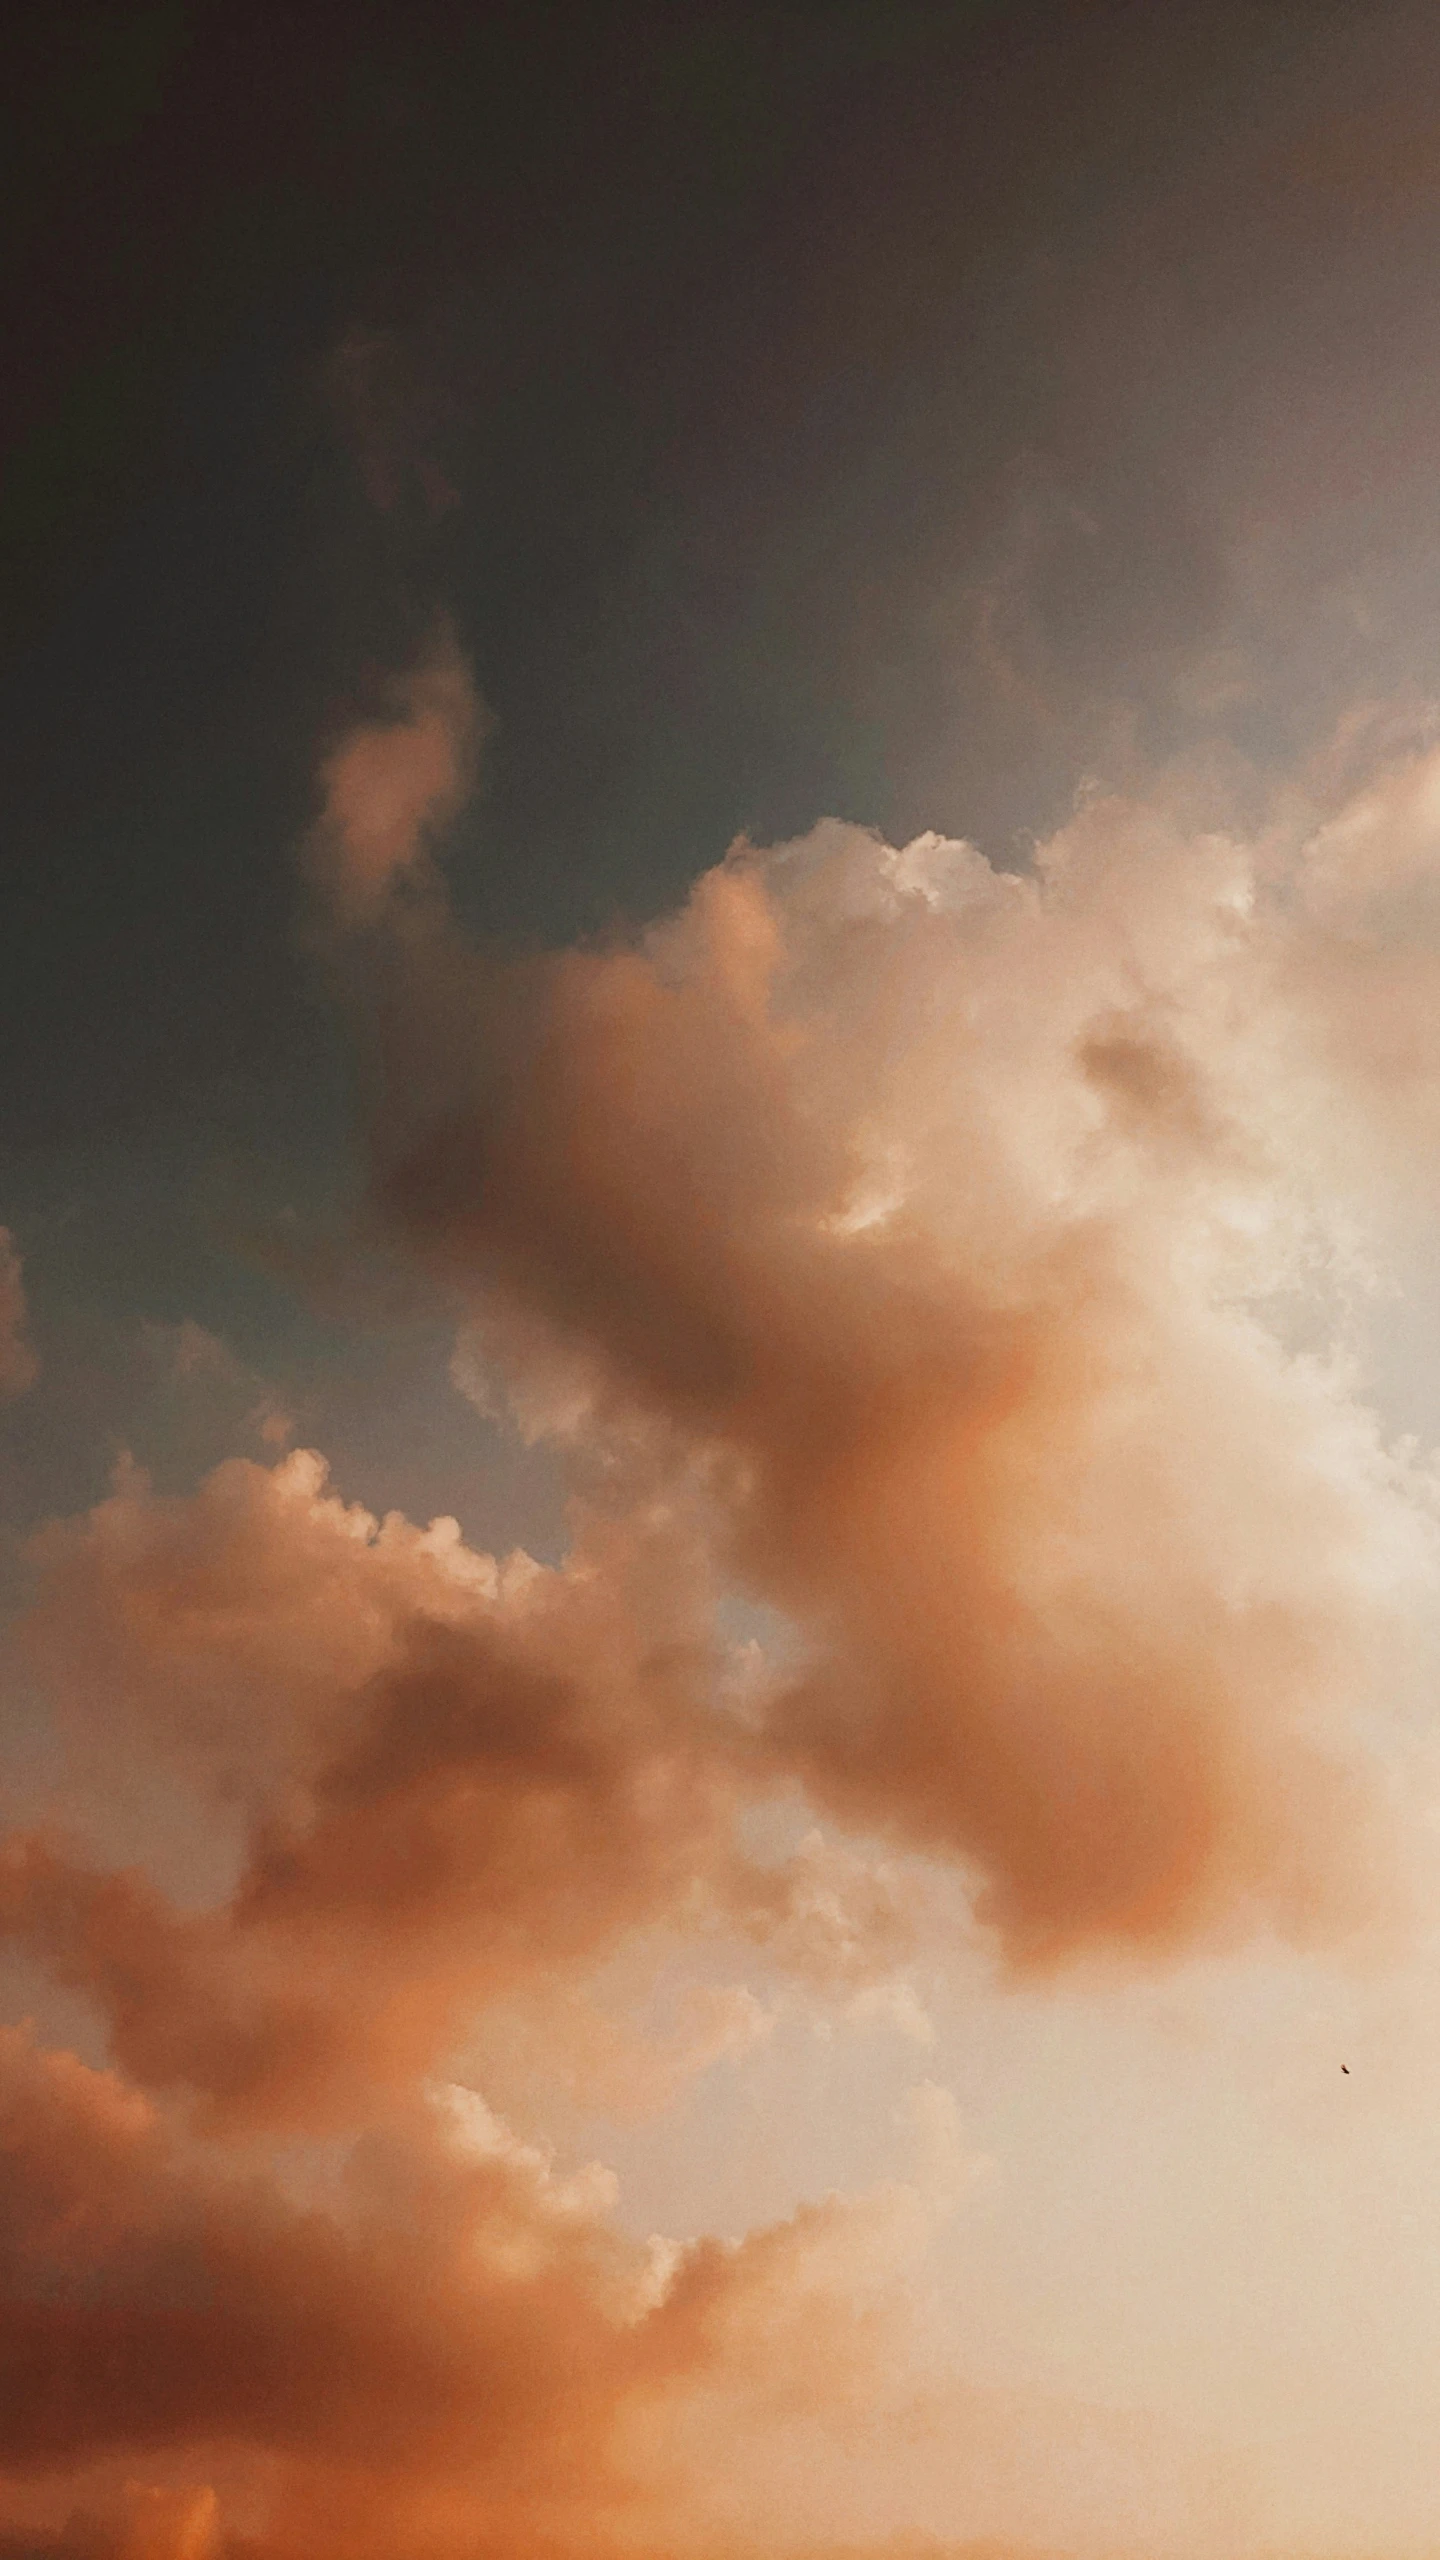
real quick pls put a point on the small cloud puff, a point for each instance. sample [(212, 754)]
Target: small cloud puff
[(392, 786), (19, 1366)]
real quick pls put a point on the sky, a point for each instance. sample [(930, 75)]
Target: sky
[(719, 1297)]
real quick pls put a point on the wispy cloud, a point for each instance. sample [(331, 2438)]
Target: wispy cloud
[(19, 1367)]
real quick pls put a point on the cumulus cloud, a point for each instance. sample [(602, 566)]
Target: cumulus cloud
[(969, 1271), (19, 1367), (982, 1247), (440, 2334), (447, 1777)]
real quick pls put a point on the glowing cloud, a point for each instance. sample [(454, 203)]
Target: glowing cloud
[(446, 2337), (452, 1777), (945, 1233), (969, 1269)]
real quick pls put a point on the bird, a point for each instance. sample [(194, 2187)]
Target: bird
[(1345, 2067)]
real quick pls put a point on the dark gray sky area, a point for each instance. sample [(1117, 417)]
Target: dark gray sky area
[(902, 412)]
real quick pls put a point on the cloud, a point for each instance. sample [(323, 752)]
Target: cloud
[(445, 1779), (391, 786), (440, 2338), (971, 1272), (957, 1235), (143, 2523), (19, 1367)]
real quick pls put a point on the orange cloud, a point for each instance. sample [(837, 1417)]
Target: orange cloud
[(931, 1219), (390, 787), (438, 2341), (451, 1777), (963, 1266)]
